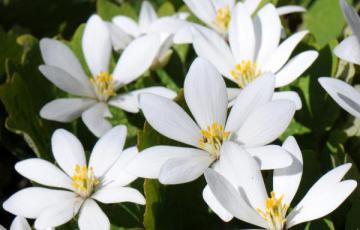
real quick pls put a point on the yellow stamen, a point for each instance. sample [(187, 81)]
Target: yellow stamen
[(245, 72), (222, 19), (275, 213), (84, 180), (212, 138), (104, 86)]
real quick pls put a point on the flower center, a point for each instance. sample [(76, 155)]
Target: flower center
[(245, 72), (212, 138), (222, 19), (84, 180), (275, 213), (104, 86)]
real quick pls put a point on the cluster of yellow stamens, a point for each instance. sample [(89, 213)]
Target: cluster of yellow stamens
[(222, 19), (84, 180), (212, 139), (275, 213), (104, 86), (245, 72)]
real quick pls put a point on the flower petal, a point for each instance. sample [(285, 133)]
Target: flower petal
[(288, 95), (295, 67), (113, 195), (169, 119), (66, 109), (352, 18), (30, 202), (95, 119), (215, 205), (205, 94), (68, 151), (43, 172), (119, 38), (128, 25), (203, 9), (19, 223), (349, 50), (270, 157), (107, 150), (251, 5), (283, 10), (129, 101), (92, 217), (96, 45), (148, 163), (147, 16)]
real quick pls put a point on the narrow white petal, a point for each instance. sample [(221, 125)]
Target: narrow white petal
[(270, 33), (203, 9), (257, 93), (266, 123), (286, 181), (92, 217), (43, 172), (68, 151), (96, 44), (184, 169), (233, 93), (352, 18), (118, 195), (128, 25), (211, 46), (288, 95), (205, 94), (148, 163), (107, 150), (64, 81), (169, 119), (30, 202), (57, 54), (215, 205), (130, 103), (169, 25), (136, 58), (251, 5), (65, 110), (282, 53), (349, 50), (283, 10), (184, 35), (270, 157), (295, 67), (19, 223), (119, 38), (242, 34), (344, 94), (95, 119), (147, 16)]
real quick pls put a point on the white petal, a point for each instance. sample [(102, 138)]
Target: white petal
[(242, 34), (352, 18), (185, 169), (184, 35), (95, 119), (283, 10), (65, 110), (232, 94), (148, 163), (68, 151), (19, 223), (92, 217), (255, 94), (30, 202), (128, 25), (137, 58), (215, 205), (119, 195), (203, 9), (129, 101), (349, 50), (119, 38), (326, 195), (169, 119), (270, 33), (271, 157), (59, 214), (295, 67), (251, 5), (66, 82), (288, 95), (286, 181), (344, 94), (147, 16), (43, 172), (205, 94), (209, 45), (57, 54), (107, 150), (282, 53), (232, 200), (169, 25), (96, 44)]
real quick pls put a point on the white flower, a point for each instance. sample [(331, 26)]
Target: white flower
[(254, 122), (94, 94), (245, 196), (254, 49), (349, 49), (79, 184), (20, 223), (124, 29)]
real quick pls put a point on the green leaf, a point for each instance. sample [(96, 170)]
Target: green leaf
[(166, 9), (108, 9)]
